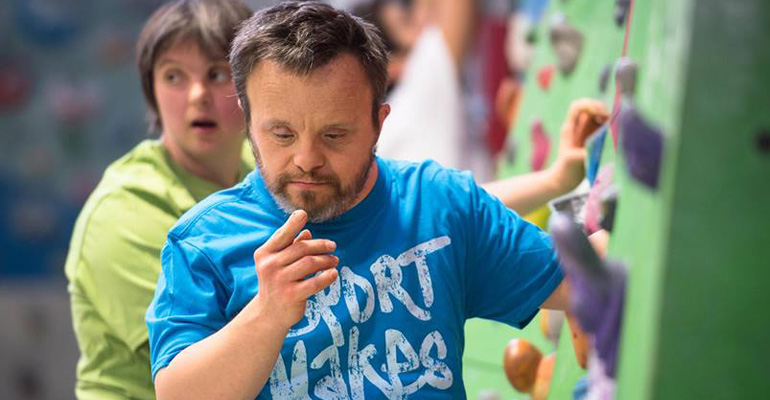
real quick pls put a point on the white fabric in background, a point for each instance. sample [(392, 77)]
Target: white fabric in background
[(427, 118)]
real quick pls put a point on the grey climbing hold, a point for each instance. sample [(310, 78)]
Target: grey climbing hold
[(604, 78), (621, 11), (626, 76), (567, 43)]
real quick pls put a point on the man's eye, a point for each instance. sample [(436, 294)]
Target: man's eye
[(334, 135), (283, 135)]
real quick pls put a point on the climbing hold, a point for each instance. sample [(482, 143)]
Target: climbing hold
[(520, 362), (567, 43), (597, 288), (621, 11), (626, 76), (604, 78), (544, 76), (541, 145), (642, 145)]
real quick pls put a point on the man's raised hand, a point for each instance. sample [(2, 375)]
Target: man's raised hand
[(288, 267)]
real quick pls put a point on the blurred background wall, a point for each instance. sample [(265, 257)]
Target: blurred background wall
[(70, 104)]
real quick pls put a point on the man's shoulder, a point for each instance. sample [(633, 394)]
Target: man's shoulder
[(213, 211), (235, 212), (428, 174)]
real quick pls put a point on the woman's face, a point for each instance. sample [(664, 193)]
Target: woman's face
[(198, 106)]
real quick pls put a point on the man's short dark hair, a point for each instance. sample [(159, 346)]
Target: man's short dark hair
[(210, 23), (305, 36)]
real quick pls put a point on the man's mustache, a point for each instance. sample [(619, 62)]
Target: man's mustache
[(309, 178)]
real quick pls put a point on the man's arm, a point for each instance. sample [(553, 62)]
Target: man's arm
[(525, 193), (236, 361)]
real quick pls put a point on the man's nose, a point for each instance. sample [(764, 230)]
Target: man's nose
[(308, 157)]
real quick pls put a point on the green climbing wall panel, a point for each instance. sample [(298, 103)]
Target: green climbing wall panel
[(698, 247)]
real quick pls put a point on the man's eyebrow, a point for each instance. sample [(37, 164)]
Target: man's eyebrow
[(340, 126), (271, 123)]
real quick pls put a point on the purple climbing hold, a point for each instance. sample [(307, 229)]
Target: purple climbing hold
[(597, 288), (642, 146)]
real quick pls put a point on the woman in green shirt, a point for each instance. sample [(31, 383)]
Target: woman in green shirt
[(114, 258)]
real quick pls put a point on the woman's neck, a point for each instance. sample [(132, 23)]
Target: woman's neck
[(221, 169)]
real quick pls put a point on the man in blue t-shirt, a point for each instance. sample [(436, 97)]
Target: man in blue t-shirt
[(331, 273)]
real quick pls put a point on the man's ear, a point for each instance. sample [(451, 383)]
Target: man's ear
[(382, 113)]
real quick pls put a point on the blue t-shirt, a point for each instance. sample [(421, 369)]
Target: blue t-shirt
[(424, 251)]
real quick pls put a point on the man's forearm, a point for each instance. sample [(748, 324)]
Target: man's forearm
[(233, 363)]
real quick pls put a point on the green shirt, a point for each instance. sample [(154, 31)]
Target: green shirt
[(114, 263)]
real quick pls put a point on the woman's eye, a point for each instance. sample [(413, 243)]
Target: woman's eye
[(173, 76), (219, 75)]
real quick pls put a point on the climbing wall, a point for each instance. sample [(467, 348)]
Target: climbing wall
[(532, 145), (690, 142), (697, 246)]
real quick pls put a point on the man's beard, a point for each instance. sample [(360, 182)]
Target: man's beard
[(339, 200)]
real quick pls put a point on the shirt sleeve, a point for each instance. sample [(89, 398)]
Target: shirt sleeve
[(189, 302), (512, 266)]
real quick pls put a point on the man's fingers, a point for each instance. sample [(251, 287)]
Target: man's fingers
[(304, 235), (284, 236), (311, 286), (302, 248), (309, 265)]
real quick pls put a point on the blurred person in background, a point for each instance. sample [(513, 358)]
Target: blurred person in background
[(114, 258), (428, 42)]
